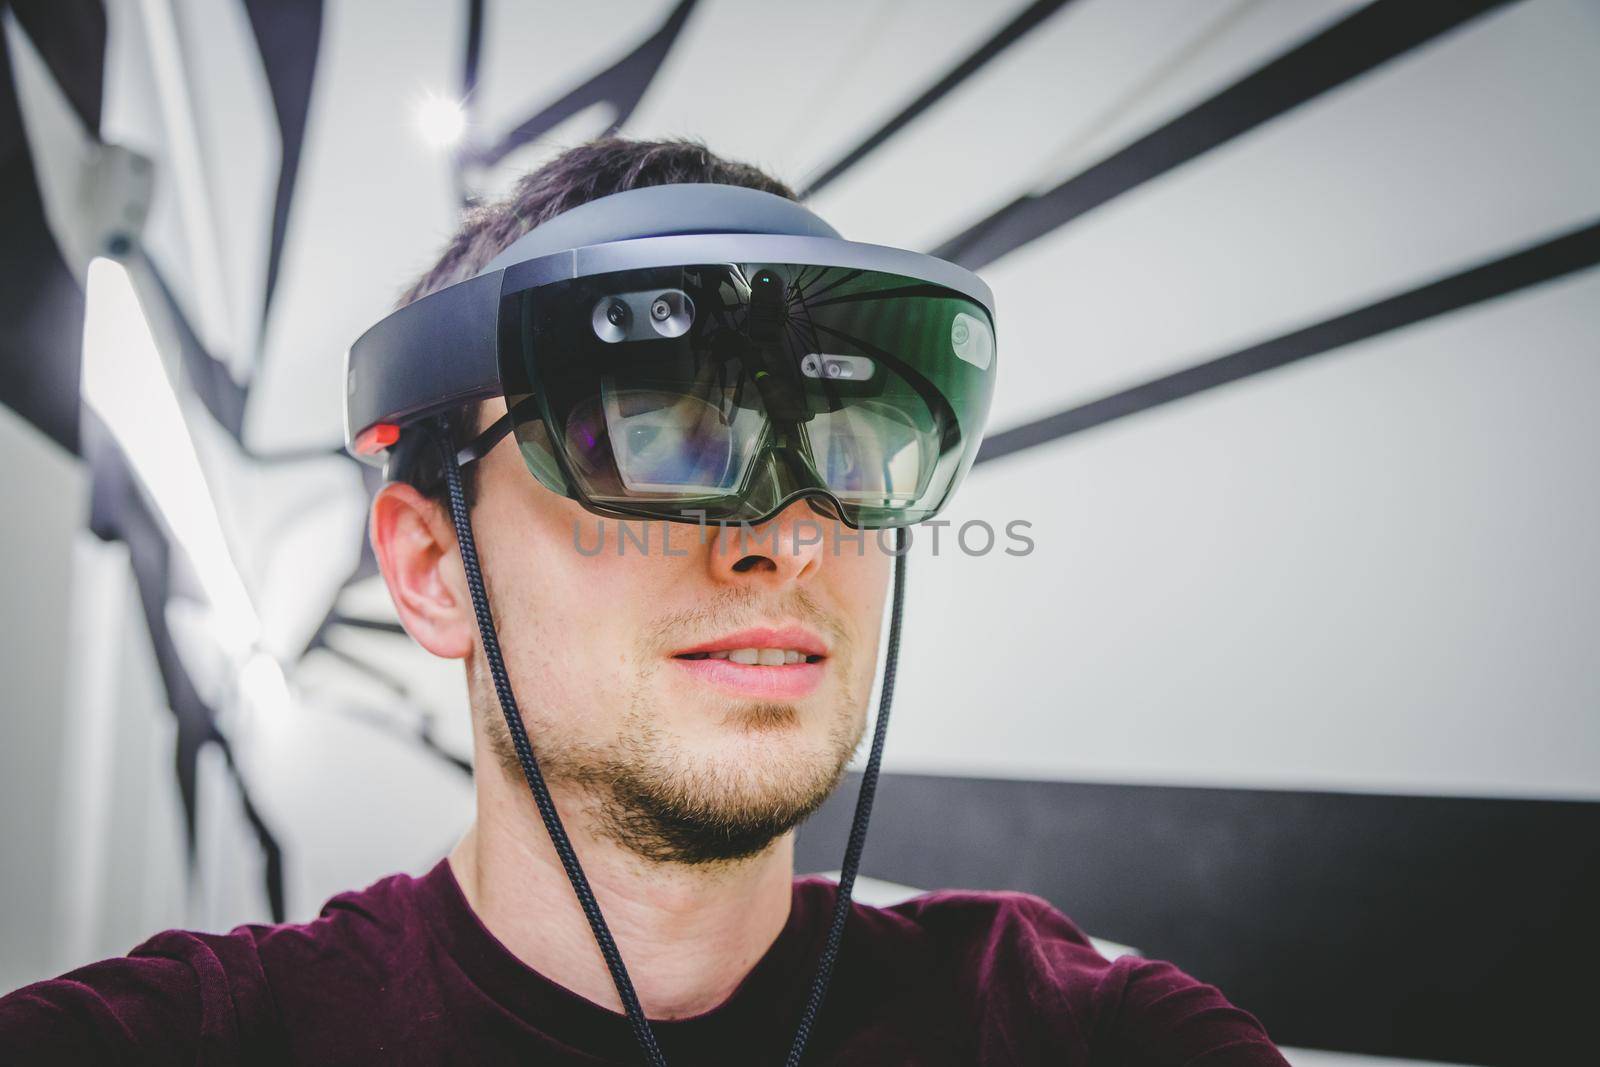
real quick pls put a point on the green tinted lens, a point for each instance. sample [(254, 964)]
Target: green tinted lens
[(666, 443), (872, 454), (734, 389)]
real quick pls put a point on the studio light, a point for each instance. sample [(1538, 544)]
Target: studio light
[(441, 121)]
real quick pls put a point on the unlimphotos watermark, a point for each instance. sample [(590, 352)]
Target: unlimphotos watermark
[(974, 537)]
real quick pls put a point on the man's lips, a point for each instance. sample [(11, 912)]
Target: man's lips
[(788, 637), (789, 680)]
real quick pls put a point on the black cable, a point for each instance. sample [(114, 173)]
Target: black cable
[(558, 834), (530, 766), (858, 826)]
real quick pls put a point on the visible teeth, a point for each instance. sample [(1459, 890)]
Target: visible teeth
[(765, 657)]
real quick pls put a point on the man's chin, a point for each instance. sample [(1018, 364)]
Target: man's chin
[(694, 784), (719, 806)]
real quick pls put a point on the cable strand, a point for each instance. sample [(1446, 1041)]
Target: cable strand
[(530, 765), (858, 826)]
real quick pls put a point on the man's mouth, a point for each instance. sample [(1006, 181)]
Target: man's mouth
[(763, 646), (766, 657), (774, 663)]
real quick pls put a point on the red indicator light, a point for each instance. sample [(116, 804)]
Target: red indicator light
[(377, 437)]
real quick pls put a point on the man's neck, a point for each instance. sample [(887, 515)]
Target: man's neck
[(688, 934)]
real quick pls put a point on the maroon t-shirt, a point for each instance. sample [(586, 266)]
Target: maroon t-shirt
[(403, 972)]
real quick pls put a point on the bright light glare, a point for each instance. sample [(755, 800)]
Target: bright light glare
[(125, 383), (441, 121)]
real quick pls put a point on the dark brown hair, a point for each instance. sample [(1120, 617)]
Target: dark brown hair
[(578, 175)]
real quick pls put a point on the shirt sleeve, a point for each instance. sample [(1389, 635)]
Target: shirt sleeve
[(179, 998), (1154, 1015)]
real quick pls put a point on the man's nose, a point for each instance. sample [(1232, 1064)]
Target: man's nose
[(788, 548)]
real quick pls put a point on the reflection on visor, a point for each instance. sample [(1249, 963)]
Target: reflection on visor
[(662, 442), (870, 454), (787, 380)]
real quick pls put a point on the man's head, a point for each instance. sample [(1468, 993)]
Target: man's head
[(616, 634)]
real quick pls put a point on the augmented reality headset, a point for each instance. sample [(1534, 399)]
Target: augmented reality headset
[(699, 353)]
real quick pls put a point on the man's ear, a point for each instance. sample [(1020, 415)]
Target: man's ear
[(415, 543)]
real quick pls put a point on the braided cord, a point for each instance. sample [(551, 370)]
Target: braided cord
[(858, 826), (530, 766)]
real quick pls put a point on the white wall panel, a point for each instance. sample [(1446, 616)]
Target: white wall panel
[(1376, 569), (1460, 152)]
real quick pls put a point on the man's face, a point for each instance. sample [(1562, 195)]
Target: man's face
[(625, 642)]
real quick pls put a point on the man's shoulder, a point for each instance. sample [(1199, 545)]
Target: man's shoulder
[(381, 913), (995, 934), (1020, 960), (1142, 1010), (371, 915), (179, 986), (1005, 972)]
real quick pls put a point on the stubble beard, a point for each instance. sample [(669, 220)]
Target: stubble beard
[(663, 805)]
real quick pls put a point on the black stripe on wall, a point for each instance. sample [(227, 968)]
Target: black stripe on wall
[(70, 36), (288, 36), (1445, 928), (1029, 19), (1554, 258), (621, 85), (469, 65), (1368, 38), (41, 301)]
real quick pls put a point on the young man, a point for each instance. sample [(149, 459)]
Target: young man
[(688, 704)]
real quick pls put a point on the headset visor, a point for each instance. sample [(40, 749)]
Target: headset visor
[(728, 391)]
